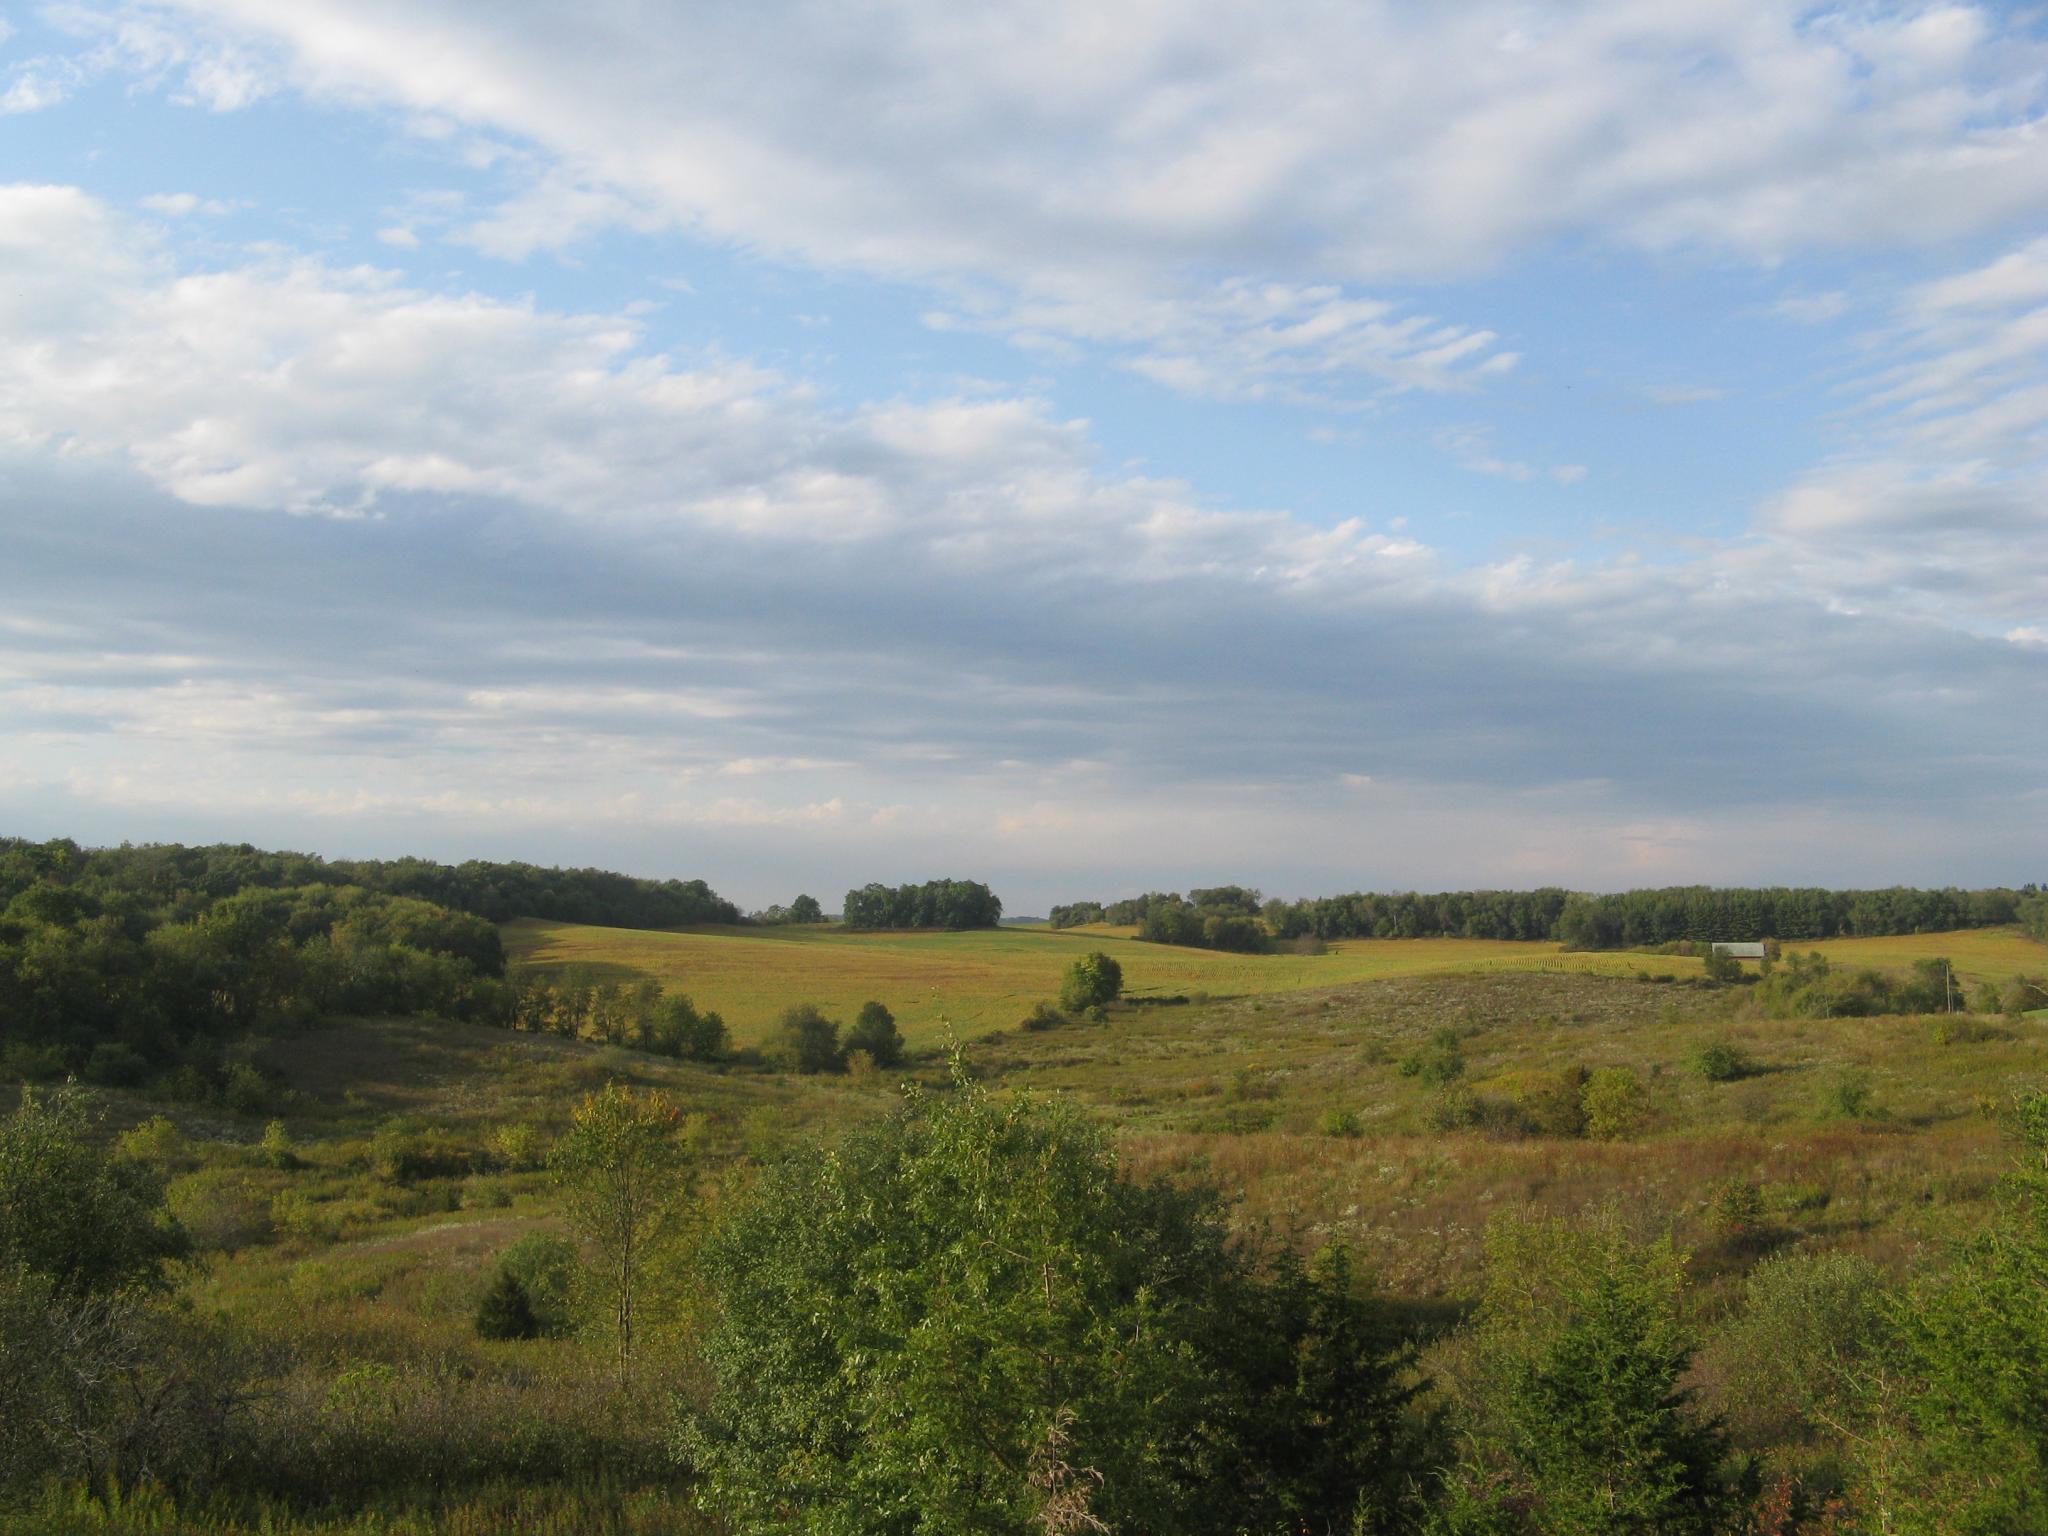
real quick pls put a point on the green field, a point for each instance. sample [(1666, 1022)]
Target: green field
[(988, 979), (1285, 1087)]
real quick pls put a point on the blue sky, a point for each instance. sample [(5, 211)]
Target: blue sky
[(1081, 447)]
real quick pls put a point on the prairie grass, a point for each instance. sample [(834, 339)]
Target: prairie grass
[(352, 1270), (991, 978)]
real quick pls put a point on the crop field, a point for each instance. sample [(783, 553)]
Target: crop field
[(990, 978), (1980, 954)]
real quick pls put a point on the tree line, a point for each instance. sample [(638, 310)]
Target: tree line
[(949, 904), (1235, 917), (95, 979), (185, 880)]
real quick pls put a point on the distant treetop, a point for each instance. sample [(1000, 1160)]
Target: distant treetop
[(952, 904)]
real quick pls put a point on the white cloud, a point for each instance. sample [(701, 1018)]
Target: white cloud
[(1472, 447), (591, 586), (1053, 134), (1208, 193)]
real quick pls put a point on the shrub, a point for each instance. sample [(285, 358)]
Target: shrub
[(806, 1041), (1795, 1352), (156, 1142), (1339, 1122), (222, 1208), (1720, 967), (277, 1148), (1042, 1016), (1718, 1061), (1091, 982), (518, 1145), (1848, 1093), (1436, 1063), (244, 1091), (1455, 1108), (1739, 1213), (87, 1223), (298, 1216), (544, 1264), (1616, 1104), (1582, 1415), (1555, 1105), (874, 1031), (114, 1064), (504, 1312), (969, 1314)]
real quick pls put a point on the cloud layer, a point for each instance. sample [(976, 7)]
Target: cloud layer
[(356, 553)]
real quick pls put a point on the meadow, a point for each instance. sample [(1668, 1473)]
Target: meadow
[(1311, 1089), (990, 978)]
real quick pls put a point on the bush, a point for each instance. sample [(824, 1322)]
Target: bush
[(874, 1031), (970, 1315), (806, 1041), (245, 1092), (1848, 1094), (277, 1148), (1555, 1105), (544, 1264), (1455, 1108), (1739, 1213), (504, 1312), (1042, 1016), (518, 1145), (1718, 1061), (1582, 1415), (222, 1208), (1092, 981), (1339, 1122), (113, 1064), (1437, 1063), (1616, 1104), (1796, 1350)]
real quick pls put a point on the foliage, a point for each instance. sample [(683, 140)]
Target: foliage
[(1582, 1425), (85, 1223), (967, 1320), (949, 904), (505, 1312), (1093, 980), (1438, 1062), (1720, 1061), (1973, 1343), (544, 1264), (874, 1031), (624, 1170), (1792, 1363), (1042, 1016), (1616, 1104), (1717, 965), (807, 1042)]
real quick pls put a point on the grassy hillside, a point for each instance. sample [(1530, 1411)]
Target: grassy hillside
[(990, 978), (352, 1277)]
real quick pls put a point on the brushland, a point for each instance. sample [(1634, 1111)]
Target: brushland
[(990, 978), (1398, 1236)]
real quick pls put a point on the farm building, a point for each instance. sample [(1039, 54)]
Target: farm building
[(1740, 951)]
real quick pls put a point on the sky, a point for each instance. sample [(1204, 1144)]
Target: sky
[(1084, 447)]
